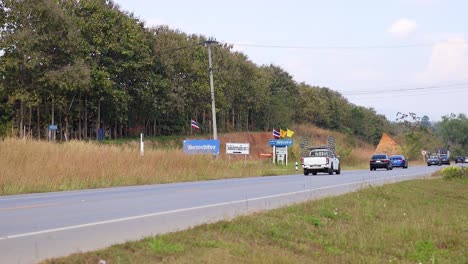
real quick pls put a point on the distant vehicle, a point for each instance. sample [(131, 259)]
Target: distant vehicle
[(380, 161), (321, 159), (444, 159), (460, 159), (433, 160), (466, 159), (399, 161), (442, 151)]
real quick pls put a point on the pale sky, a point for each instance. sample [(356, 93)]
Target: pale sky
[(393, 56)]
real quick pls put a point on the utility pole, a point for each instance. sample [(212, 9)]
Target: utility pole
[(53, 132), (213, 107)]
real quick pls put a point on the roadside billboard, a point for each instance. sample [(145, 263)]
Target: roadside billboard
[(238, 148), (198, 146)]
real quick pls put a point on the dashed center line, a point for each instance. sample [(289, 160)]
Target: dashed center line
[(28, 206)]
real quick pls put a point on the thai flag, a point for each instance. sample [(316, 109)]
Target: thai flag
[(276, 133), (195, 124)]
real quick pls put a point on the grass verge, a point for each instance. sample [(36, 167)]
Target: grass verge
[(38, 166), (420, 221)]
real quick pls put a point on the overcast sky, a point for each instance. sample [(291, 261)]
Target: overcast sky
[(393, 56)]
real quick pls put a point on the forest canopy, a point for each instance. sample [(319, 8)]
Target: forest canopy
[(84, 65)]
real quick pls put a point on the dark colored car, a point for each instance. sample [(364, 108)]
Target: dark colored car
[(444, 159), (433, 160), (399, 161), (381, 161), (459, 159)]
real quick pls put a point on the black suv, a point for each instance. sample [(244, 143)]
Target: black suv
[(444, 159), (459, 159), (380, 161)]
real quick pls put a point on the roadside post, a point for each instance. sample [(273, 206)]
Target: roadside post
[(274, 155), (142, 145), (296, 165), (52, 130)]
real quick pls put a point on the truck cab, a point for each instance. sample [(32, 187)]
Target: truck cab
[(321, 159)]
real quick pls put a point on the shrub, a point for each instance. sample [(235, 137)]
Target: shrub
[(455, 173)]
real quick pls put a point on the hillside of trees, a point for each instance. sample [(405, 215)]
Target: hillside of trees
[(87, 64)]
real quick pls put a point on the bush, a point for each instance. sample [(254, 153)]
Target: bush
[(455, 173), (5, 129)]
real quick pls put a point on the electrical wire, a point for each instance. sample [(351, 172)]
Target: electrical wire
[(430, 87), (357, 47), (407, 95)]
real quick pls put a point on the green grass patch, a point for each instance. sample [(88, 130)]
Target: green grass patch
[(453, 172), (421, 221), (160, 246)]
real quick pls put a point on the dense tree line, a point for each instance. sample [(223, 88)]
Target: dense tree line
[(453, 129), (86, 64)]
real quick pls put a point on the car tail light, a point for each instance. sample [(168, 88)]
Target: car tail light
[(385, 160), (302, 160), (328, 160), (372, 160)]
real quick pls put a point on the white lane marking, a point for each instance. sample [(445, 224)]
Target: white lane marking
[(192, 208), (28, 206)]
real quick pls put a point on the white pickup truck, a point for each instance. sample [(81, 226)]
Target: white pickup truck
[(321, 160)]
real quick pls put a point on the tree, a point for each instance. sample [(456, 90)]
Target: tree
[(454, 131), (86, 64), (282, 93), (41, 54), (425, 122)]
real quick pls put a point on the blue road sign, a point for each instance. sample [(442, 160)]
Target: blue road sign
[(201, 147), (281, 142), (52, 127)]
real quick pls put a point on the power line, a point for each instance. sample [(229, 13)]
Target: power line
[(430, 87), (357, 47), (368, 96)]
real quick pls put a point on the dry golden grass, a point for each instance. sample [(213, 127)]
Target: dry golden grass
[(38, 166)]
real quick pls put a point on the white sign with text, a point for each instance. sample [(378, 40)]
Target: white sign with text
[(238, 148)]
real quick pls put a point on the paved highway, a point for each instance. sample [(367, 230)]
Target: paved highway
[(34, 227)]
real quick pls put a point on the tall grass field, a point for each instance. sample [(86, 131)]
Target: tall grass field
[(38, 166), (420, 221), (28, 166)]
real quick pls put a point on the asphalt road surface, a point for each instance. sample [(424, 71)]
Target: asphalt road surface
[(35, 227)]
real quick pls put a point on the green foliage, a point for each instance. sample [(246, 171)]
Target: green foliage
[(416, 134), (455, 173), (413, 145), (424, 251), (313, 220), (454, 130), (102, 68), (160, 245)]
